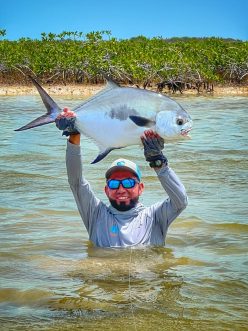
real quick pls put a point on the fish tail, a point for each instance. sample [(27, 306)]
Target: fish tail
[(52, 109)]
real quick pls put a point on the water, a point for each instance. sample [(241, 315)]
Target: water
[(53, 279)]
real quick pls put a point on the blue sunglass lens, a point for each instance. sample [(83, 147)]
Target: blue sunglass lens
[(114, 184), (128, 183)]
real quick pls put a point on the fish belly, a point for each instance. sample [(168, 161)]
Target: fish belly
[(108, 132)]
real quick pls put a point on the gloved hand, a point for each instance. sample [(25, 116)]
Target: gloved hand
[(66, 121), (153, 146)]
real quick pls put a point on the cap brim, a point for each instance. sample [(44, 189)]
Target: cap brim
[(115, 168)]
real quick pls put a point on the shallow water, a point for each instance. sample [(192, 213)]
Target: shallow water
[(53, 279)]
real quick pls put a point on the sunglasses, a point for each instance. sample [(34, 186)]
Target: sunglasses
[(114, 184)]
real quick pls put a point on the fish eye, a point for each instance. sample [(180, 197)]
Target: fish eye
[(179, 121)]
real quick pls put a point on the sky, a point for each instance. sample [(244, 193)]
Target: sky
[(126, 18)]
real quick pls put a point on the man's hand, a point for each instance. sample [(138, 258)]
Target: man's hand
[(66, 121), (153, 146)]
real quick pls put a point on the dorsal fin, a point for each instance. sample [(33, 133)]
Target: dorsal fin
[(111, 83)]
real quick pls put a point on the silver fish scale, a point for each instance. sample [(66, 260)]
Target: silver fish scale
[(131, 101)]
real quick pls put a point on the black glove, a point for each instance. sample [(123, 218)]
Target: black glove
[(67, 124), (153, 146)]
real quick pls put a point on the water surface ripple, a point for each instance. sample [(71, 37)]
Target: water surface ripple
[(53, 279)]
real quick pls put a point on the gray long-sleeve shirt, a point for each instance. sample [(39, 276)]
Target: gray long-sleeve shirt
[(108, 227)]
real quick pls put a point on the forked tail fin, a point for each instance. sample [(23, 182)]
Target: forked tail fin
[(52, 109)]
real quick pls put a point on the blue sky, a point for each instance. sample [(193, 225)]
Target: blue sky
[(126, 18)]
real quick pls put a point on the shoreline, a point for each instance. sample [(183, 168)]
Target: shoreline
[(89, 90)]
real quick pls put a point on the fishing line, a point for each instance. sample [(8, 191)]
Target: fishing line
[(129, 289)]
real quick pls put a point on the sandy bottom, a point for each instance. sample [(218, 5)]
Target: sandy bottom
[(88, 90)]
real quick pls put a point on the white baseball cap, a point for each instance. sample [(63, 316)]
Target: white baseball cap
[(124, 164)]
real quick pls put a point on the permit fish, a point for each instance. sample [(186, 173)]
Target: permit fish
[(117, 116)]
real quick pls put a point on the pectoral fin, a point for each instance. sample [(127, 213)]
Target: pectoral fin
[(142, 121), (102, 155)]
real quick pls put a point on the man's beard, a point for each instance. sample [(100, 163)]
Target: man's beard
[(123, 206)]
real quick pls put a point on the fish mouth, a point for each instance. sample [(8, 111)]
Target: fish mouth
[(185, 132)]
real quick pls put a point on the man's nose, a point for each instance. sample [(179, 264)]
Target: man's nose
[(121, 188)]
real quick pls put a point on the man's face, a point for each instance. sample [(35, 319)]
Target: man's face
[(124, 198)]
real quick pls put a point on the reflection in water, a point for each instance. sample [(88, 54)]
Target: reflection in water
[(123, 284), (111, 279), (53, 279)]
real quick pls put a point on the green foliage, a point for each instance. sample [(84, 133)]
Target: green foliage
[(80, 58)]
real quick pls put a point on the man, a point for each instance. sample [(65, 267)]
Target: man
[(126, 222)]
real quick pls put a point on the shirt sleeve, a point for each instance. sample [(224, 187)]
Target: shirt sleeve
[(86, 201), (168, 210)]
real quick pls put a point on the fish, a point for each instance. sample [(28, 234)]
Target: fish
[(116, 117)]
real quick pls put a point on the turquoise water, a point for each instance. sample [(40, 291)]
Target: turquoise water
[(51, 278)]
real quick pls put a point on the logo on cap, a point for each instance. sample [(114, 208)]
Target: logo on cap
[(120, 163)]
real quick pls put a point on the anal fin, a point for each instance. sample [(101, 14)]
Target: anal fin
[(103, 154)]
